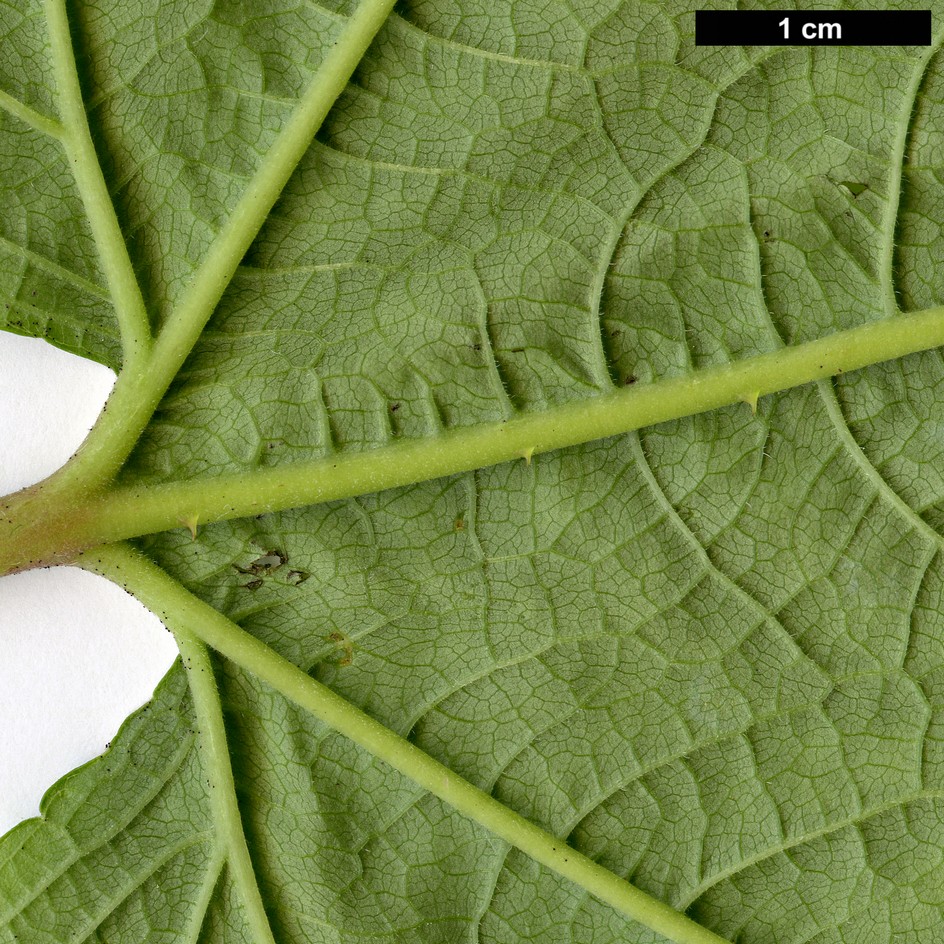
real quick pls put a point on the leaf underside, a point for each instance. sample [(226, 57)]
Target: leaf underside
[(708, 655)]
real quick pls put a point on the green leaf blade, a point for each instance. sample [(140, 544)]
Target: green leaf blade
[(121, 842), (704, 655)]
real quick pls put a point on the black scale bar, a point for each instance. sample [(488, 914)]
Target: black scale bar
[(812, 28)]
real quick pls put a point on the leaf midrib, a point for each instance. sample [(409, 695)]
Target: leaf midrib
[(131, 511)]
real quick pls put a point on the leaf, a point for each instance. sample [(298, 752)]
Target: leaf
[(701, 656)]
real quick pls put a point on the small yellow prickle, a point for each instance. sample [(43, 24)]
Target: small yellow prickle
[(190, 522)]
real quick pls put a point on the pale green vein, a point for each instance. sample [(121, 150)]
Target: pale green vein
[(329, 14), (201, 904), (36, 120), (875, 478), (605, 367), (827, 390), (897, 163), (41, 319), (183, 612), (144, 509), (216, 758), (794, 842), (87, 171), (53, 268), (462, 174), (478, 53), (216, 271), (40, 527), (153, 869), (882, 487)]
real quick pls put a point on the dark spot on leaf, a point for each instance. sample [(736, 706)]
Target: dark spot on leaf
[(264, 564), (854, 187), (630, 380), (298, 577), (345, 648), (394, 407), (517, 350)]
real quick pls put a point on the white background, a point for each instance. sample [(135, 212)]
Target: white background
[(77, 654)]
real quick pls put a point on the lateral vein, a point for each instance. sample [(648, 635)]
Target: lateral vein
[(144, 509), (214, 274), (896, 182), (222, 795), (186, 614), (87, 171), (36, 120), (53, 268)]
